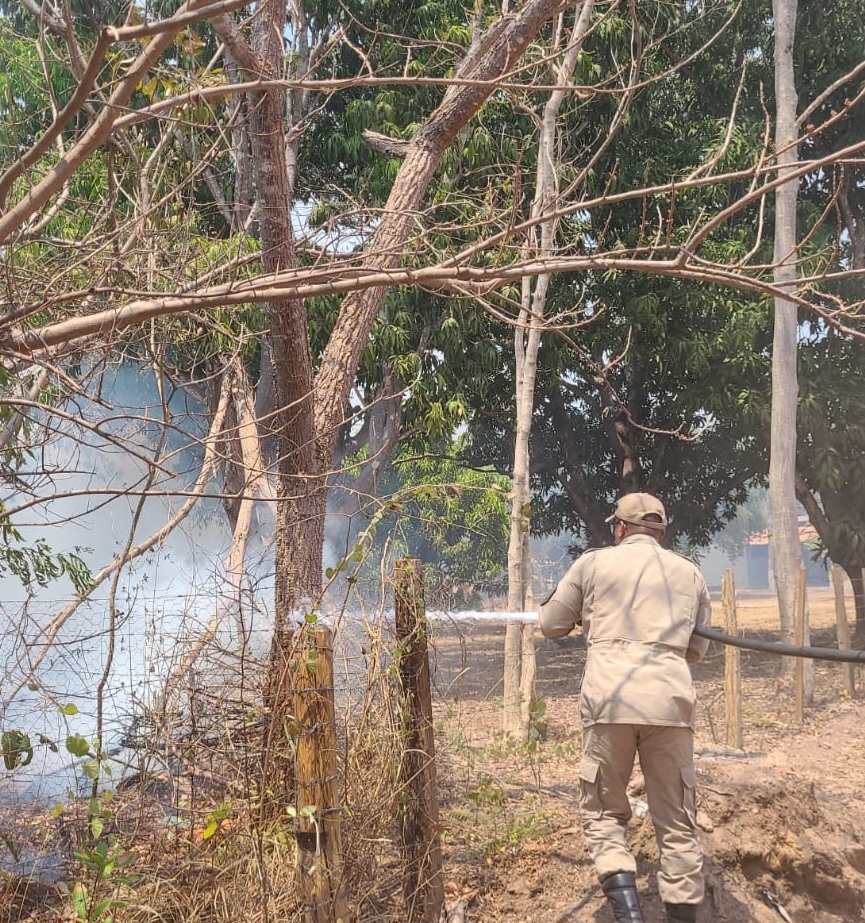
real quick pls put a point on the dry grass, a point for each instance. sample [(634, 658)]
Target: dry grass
[(201, 852), (242, 873), (758, 611)]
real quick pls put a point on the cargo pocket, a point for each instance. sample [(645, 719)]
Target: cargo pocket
[(689, 786), (590, 796)]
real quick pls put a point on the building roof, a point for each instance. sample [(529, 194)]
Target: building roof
[(807, 533)]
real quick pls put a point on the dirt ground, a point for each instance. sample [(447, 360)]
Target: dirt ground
[(782, 819)]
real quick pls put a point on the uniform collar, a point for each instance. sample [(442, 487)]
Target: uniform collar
[(642, 539)]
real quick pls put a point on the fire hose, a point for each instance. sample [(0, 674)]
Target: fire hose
[(712, 634), (787, 650)]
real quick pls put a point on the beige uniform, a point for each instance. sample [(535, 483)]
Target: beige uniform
[(638, 604)]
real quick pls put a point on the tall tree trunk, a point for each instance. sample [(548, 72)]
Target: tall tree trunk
[(786, 554), (300, 474), (786, 547), (519, 667), (301, 487)]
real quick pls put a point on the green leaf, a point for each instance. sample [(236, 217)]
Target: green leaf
[(91, 770), (209, 830), (77, 745), (69, 709), (11, 845), (79, 900), (17, 750)]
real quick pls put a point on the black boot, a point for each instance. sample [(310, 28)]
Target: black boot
[(681, 913), (621, 891)]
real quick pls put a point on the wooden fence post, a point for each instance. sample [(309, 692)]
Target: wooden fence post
[(732, 672), (423, 886), (318, 808), (843, 628), (799, 666)]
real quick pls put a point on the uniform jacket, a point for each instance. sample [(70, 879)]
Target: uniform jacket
[(638, 604)]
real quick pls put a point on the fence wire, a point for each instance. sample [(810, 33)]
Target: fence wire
[(183, 744)]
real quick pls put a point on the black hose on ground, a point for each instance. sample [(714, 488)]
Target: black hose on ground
[(786, 650)]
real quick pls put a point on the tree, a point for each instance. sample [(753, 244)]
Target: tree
[(454, 519), (829, 467), (648, 394), (786, 559), (519, 670), (678, 413), (828, 447), (148, 210)]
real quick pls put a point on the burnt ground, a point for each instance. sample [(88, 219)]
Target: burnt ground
[(782, 820)]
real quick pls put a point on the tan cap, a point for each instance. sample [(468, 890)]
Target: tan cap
[(633, 508)]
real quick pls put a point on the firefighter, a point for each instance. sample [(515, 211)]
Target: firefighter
[(638, 604)]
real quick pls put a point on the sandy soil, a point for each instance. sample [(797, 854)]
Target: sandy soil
[(782, 819)]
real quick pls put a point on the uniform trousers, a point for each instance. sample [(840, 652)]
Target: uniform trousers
[(667, 761)]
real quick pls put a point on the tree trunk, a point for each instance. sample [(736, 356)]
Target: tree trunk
[(498, 49), (834, 502), (782, 467), (301, 487), (857, 581), (519, 669), (519, 552), (300, 474)]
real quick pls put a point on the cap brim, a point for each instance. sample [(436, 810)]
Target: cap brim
[(634, 521)]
